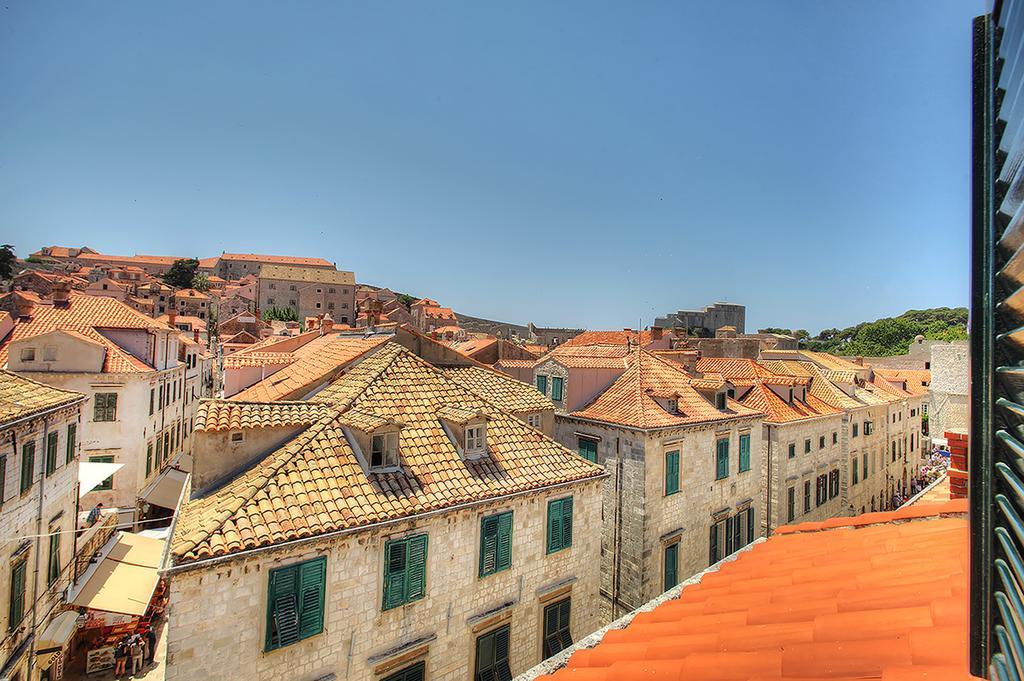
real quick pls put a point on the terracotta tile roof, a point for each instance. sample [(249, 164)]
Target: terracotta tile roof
[(314, 364), (318, 275), (432, 312), (194, 322), (918, 380), (471, 346), (22, 397), (589, 356), (878, 596), (630, 400), (315, 484), (830, 361), (242, 359), (778, 410), (608, 338), (217, 415), (499, 389), (885, 386), (191, 293), (167, 260), (821, 386), (745, 372), (276, 259), (87, 315), (517, 363)]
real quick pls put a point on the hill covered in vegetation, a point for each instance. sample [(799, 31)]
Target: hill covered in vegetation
[(888, 336)]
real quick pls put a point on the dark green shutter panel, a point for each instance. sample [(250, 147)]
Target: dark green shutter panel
[(554, 525), (417, 570), (72, 432), (504, 558), (488, 545), (750, 524), (414, 672), (744, 453), (3, 479), (394, 573), (28, 463), (713, 550), (671, 566), (502, 671), (312, 578), (284, 606), (567, 522), (16, 609), (542, 384), (51, 453), (672, 472), (53, 562)]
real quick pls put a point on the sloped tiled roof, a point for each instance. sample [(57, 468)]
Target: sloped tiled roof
[(87, 315), (241, 360), (629, 401), (877, 596), (312, 364), (191, 293), (315, 484), (885, 386), (22, 397), (275, 259), (499, 389), (317, 275), (821, 386), (589, 356), (214, 415), (517, 363), (608, 338), (778, 410), (918, 380)]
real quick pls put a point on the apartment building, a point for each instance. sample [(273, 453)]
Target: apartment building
[(308, 291), (189, 302), (39, 439), (136, 412), (428, 315), (397, 526), (684, 465)]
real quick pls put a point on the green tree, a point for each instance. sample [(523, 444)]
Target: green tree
[(280, 314), (181, 273), (7, 261), (201, 282)]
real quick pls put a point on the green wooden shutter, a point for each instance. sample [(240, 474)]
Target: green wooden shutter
[(492, 651), (566, 522), (16, 607), (557, 630), (672, 472), (395, 561), (51, 453), (792, 450), (744, 453), (504, 557), (713, 545), (488, 545), (722, 459), (671, 566), (312, 578), (556, 388), (53, 560), (415, 672), (750, 524), (3, 479), (28, 464), (282, 607), (70, 445), (542, 383), (417, 570), (587, 448), (149, 459), (554, 525)]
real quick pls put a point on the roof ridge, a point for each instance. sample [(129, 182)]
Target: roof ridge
[(905, 513)]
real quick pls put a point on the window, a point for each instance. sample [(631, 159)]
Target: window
[(744, 453), (719, 400), (722, 459), (238, 437), (807, 446), (732, 534), (167, 445), (476, 439), (864, 461), (28, 354), (750, 525), (821, 490), (49, 353), (152, 396), (533, 420), (833, 483), (671, 566), (557, 636), (713, 550), (109, 482), (492, 656), (16, 604), (104, 407), (149, 459), (821, 442), (855, 430), (894, 450), (792, 504), (70, 445), (792, 450), (384, 450), (495, 543), (587, 448), (671, 472), (556, 388), (867, 427), (542, 383), (855, 469), (405, 570), (295, 602), (53, 558), (414, 672), (51, 453), (807, 496), (28, 464), (159, 448), (559, 524), (3, 479), (835, 437)]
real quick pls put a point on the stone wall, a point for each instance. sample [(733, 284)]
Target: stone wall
[(218, 612)]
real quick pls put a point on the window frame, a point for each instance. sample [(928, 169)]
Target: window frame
[(744, 457), (557, 382), (584, 452), (499, 526), (499, 669), (672, 485), (307, 624), (559, 519), (721, 458), (561, 636), (413, 576), (389, 455), (105, 407)]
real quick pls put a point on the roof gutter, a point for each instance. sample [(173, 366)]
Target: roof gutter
[(185, 567), (680, 426)]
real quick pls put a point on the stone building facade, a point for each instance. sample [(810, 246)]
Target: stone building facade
[(712, 318), (948, 408), (39, 439), (308, 291)]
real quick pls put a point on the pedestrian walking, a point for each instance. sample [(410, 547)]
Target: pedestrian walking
[(151, 644), (121, 657), (136, 650)]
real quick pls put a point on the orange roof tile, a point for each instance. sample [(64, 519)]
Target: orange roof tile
[(869, 597), (630, 400), (216, 415), (500, 389), (778, 410), (918, 380), (86, 315), (608, 338), (276, 259), (191, 293), (589, 356), (315, 484), (22, 397)]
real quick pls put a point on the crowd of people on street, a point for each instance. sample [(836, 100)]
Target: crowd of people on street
[(931, 471), (134, 652)]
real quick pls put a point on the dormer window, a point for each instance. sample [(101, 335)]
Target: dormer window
[(673, 406), (476, 438), (28, 354), (384, 450), (719, 400)]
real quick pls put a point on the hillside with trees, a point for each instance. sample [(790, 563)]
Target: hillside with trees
[(888, 336)]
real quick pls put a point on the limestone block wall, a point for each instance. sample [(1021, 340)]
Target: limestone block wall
[(218, 612)]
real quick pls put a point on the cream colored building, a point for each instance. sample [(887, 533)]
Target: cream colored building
[(309, 291), (39, 437), (398, 523)]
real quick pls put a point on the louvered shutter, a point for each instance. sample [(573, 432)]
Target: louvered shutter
[(750, 525), (671, 566), (502, 671), (488, 545), (744, 453), (672, 472), (504, 544), (417, 567), (713, 549), (566, 522), (394, 573), (554, 525), (564, 629), (996, 450), (283, 622), (312, 577)]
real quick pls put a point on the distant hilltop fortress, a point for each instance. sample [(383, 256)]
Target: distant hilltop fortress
[(712, 318)]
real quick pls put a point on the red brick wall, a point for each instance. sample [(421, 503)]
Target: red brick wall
[(958, 465)]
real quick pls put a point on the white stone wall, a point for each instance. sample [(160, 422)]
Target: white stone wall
[(217, 614)]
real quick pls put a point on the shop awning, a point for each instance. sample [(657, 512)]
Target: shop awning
[(166, 489), (125, 578), (91, 474), (57, 633)]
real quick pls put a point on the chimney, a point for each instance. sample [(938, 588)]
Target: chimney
[(24, 305), (326, 323), (172, 317), (60, 291), (656, 332), (859, 359), (195, 335)]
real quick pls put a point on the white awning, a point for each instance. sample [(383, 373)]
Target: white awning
[(166, 489), (91, 474), (57, 633), (124, 579)]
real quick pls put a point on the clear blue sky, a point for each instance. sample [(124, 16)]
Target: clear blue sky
[(567, 163)]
